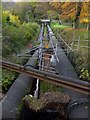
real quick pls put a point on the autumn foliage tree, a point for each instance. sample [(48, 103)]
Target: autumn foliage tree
[(77, 12)]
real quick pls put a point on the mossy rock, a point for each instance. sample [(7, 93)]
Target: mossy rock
[(49, 101)]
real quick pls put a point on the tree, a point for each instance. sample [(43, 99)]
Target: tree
[(75, 12), (77, 16), (85, 14)]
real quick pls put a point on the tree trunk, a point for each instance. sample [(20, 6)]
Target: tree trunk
[(79, 8), (88, 26)]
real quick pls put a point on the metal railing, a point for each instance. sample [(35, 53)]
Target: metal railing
[(66, 82)]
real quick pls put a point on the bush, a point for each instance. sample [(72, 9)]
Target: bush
[(85, 74), (15, 36), (7, 79), (80, 65)]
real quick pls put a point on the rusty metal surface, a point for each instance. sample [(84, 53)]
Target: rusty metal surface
[(66, 82)]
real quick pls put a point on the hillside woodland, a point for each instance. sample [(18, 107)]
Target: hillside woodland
[(21, 27)]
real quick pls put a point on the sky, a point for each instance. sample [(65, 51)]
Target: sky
[(13, 0), (43, 0), (26, 0)]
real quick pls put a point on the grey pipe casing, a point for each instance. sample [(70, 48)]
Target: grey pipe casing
[(18, 90), (66, 69)]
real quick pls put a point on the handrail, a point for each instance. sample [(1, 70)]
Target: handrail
[(66, 82)]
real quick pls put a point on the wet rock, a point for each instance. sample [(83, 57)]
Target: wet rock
[(50, 102)]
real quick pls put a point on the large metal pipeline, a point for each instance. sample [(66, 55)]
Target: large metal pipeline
[(65, 68), (13, 98), (18, 90), (41, 33)]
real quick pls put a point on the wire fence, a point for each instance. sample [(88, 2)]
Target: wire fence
[(75, 43)]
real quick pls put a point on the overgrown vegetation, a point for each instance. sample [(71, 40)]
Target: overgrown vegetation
[(19, 29), (8, 78), (15, 37), (78, 57), (48, 87)]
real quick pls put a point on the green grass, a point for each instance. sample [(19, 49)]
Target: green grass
[(61, 26), (48, 87), (67, 33), (56, 25)]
